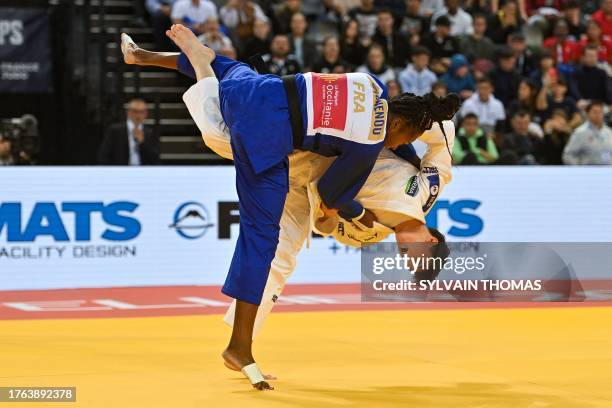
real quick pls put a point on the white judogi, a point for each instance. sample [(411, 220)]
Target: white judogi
[(395, 191)]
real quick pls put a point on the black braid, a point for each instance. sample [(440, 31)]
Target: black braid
[(422, 111)]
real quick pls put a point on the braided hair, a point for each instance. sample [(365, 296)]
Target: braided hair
[(422, 111)]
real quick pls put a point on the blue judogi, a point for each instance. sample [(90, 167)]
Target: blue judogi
[(256, 111)]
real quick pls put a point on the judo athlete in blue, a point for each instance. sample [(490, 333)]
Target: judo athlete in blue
[(346, 116)]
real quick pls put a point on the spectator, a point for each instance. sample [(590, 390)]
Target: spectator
[(553, 97), (395, 46), (366, 16), (590, 143), (439, 89), (570, 10), (259, 43), (6, 151), (354, 49), (461, 21), (603, 17), (240, 17), (441, 44), (564, 47), (525, 100), (458, 78), (519, 146), (193, 13), (416, 78), (160, 11), (330, 61), (429, 7), (375, 64), (590, 82), (507, 20), (393, 88), (278, 61), (283, 14), (483, 104), (130, 142), (546, 68), (473, 145), (213, 37), (557, 132), (476, 46), (595, 37), (305, 50), (504, 77), (525, 60), (412, 23)]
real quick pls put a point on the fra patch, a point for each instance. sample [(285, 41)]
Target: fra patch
[(412, 187)]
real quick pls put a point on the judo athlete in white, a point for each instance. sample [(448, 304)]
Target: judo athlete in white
[(398, 193)]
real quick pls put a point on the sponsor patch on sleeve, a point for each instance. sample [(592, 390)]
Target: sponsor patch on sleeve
[(434, 189), (412, 187)]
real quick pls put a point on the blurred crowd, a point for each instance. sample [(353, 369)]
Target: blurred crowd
[(534, 74)]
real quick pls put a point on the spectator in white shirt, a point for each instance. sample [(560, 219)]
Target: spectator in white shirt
[(416, 77), (213, 37), (590, 143), (461, 20), (193, 13), (483, 104)]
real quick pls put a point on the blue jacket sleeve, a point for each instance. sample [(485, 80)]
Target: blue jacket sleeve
[(347, 174)]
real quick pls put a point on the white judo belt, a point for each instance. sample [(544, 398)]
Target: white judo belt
[(344, 231)]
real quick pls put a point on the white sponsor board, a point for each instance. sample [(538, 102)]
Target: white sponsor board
[(64, 227)]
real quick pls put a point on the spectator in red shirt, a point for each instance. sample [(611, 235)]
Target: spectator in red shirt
[(563, 47), (603, 17), (595, 37)]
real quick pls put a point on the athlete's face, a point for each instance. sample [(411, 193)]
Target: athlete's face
[(399, 132)]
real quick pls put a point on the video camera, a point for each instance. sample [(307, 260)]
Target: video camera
[(23, 134)]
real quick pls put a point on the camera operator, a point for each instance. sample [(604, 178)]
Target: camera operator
[(6, 153)]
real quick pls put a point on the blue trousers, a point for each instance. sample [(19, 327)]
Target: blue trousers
[(261, 190)]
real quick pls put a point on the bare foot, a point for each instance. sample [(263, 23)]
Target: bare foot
[(186, 40), (129, 49), (235, 361)]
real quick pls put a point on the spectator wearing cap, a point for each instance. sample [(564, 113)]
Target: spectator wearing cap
[(416, 78), (411, 22), (353, 47), (603, 17), (483, 104), (330, 61), (193, 13), (441, 43), (376, 64), (278, 61), (594, 36), (588, 81), (554, 97), (395, 45), (590, 143), (505, 77), (520, 146), (507, 20), (476, 46), (525, 60), (564, 47), (304, 49), (458, 78), (367, 17), (461, 20), (473, 145)]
